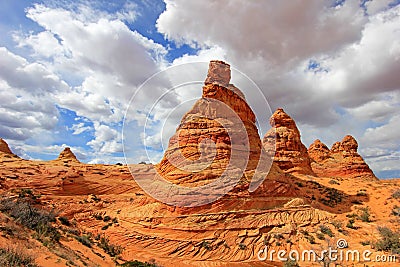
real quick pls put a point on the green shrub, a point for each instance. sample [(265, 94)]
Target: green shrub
[(106, 218), (326, 230), (396, 194), (138, 264), (390, 240), (396, 211), (291, 263), (15, 257), (110, 249), (333, 182), (85, 240), (350, 224), (64, 221), (320, 236), (365, 216), (33, 218)]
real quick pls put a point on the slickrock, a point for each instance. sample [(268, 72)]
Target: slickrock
[(223, 116), (290, 153), (4, 147), (342, 160), (67, 155)]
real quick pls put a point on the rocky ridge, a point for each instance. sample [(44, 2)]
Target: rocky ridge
[(342, 160)]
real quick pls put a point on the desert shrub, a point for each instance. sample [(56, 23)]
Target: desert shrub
[(311, 239), (320, 236), (33, 218), (299, 184), (64, 221), (362, 192), (205, 244), (332, 197), (396, 211), (350, 224), (365, 216), (291, 263), (333, 182), (106, 218), (278, 236), (278, 243), (85, 240), (16, 257), (326, 230), (396, 194), (242, 246), (390, 240), (337, 224), (365, 243), (98, 217), (138, 264), (110, 249)]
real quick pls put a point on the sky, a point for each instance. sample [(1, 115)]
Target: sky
[(70, 70)]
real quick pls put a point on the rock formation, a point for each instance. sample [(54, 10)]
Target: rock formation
[(223, 116), (290, 153), (342, 160), (67, 155), (4, 147)]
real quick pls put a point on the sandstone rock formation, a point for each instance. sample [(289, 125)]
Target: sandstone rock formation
[(342, 160), (223, 116), (4, 147), (67, 155), (290, 153)]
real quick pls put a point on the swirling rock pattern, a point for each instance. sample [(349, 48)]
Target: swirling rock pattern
[(342, 160)]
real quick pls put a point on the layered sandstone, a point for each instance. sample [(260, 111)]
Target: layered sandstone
[(342, 160), (290, 153), (67, 155), (4, 148), (217, 134)]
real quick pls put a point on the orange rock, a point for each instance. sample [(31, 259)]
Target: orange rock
[(4, 147), (67, 155), (290, 153), (342, 160), (223, 116)]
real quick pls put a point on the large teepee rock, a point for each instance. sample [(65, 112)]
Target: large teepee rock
[(223, 116)]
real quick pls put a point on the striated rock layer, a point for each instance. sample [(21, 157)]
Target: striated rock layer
[(342, 160), (290, 153), (4, 147), (223, 116), (67, 155)]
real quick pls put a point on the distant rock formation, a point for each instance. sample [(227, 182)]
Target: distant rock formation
[(342, 160), (220, 115), (290, 153), (67, 155), (4, 147)]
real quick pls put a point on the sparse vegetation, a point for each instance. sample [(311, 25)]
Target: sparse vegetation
[(326, 230), (16, 257), (350, 224), (362, 193), (390, 240), (205, 244), (332, 197), (85, 240), (396, 194), (365, 243), (106, 218), (64, 221), (396, 211), (110, 249), (291, 263), (33, 218), (138, 264), (242, 246), (333, 182), (320, 236), (365, 215)]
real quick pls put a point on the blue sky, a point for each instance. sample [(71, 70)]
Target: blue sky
[(69, 68)]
